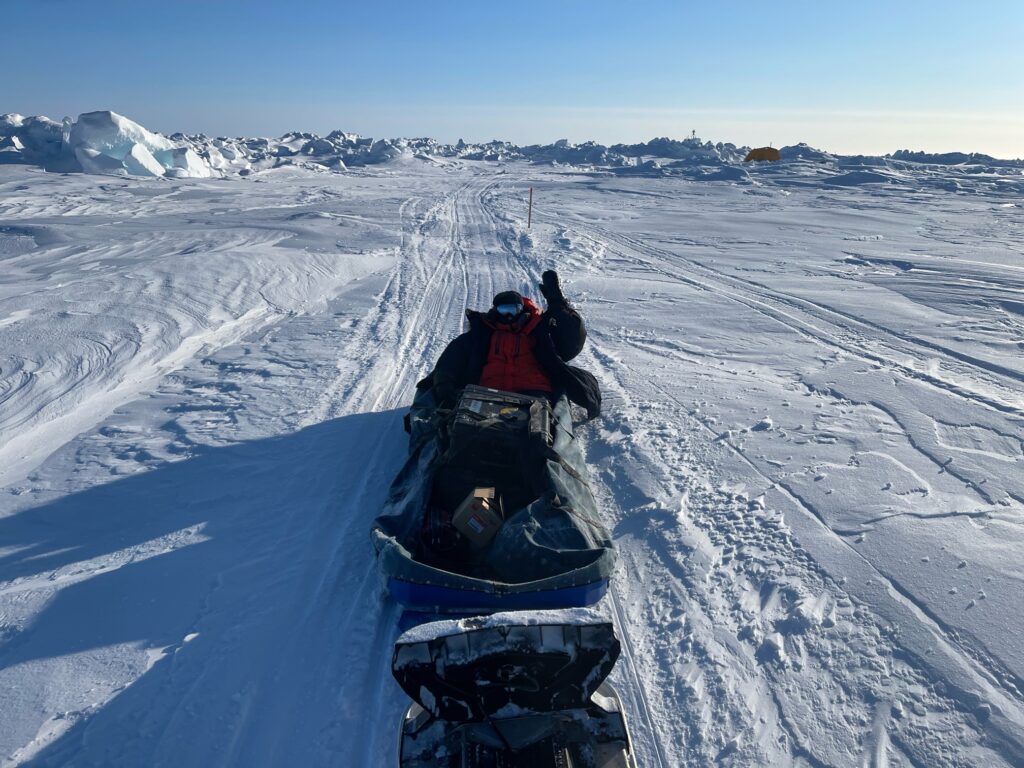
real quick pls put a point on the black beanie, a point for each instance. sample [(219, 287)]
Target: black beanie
[(507, 297)]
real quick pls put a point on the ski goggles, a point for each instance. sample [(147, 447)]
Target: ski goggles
[(508, 310)]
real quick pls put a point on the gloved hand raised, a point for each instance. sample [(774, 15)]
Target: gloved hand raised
[(551, 289)]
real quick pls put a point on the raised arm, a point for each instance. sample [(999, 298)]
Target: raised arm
[(565, 324)]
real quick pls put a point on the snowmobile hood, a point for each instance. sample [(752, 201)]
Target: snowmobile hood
[(507, 664)]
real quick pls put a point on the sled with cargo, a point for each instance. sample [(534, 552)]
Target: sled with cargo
[(492, 510)]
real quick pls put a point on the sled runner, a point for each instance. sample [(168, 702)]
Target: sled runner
[(512, 690)]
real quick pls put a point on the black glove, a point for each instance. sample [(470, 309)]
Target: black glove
[(444, 394), (551, 289)]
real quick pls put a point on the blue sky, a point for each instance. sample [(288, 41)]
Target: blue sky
[(849, 77)]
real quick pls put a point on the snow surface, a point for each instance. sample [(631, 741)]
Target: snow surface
[(811, 455)]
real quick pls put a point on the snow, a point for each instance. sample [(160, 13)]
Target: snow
[(114, 135), (73, 146), (188, 165), (102, 142), (140, 162), (32, 139), (856, 178), (93, 161), (12, 143), (810, 457), (106, 141)]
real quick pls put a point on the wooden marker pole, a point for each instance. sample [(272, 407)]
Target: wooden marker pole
[(529, 213)]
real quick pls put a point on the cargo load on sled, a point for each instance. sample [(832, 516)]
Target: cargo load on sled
[(521, 689), (492, 510)]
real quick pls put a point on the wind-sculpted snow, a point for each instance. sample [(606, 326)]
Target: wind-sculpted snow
[(811, 455), (107, 143), (33, 140), (953, 158), (114, 137)]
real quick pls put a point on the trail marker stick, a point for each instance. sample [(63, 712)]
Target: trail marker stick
[(529, 214)]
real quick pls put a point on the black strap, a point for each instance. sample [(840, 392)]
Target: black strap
[(553, 455)]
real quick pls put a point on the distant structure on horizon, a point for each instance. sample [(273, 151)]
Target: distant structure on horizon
[(770, 154)]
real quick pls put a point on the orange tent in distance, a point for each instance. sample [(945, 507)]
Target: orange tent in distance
[(763, 153)]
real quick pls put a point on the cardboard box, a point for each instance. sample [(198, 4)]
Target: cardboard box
[(478, 517)]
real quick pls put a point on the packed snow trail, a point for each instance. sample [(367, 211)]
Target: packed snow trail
[(813, 483), (797, 595)]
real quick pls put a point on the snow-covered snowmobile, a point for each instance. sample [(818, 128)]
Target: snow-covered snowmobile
[(512, 689), (545, 547)]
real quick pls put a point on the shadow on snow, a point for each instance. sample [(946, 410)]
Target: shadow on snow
[(223, 565)]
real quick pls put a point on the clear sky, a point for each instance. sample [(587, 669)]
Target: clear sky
[(849, 77)]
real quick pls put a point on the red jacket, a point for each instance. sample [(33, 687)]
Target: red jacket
[(511, 362)]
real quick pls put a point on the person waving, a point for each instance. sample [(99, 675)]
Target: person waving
[(515, 347)]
